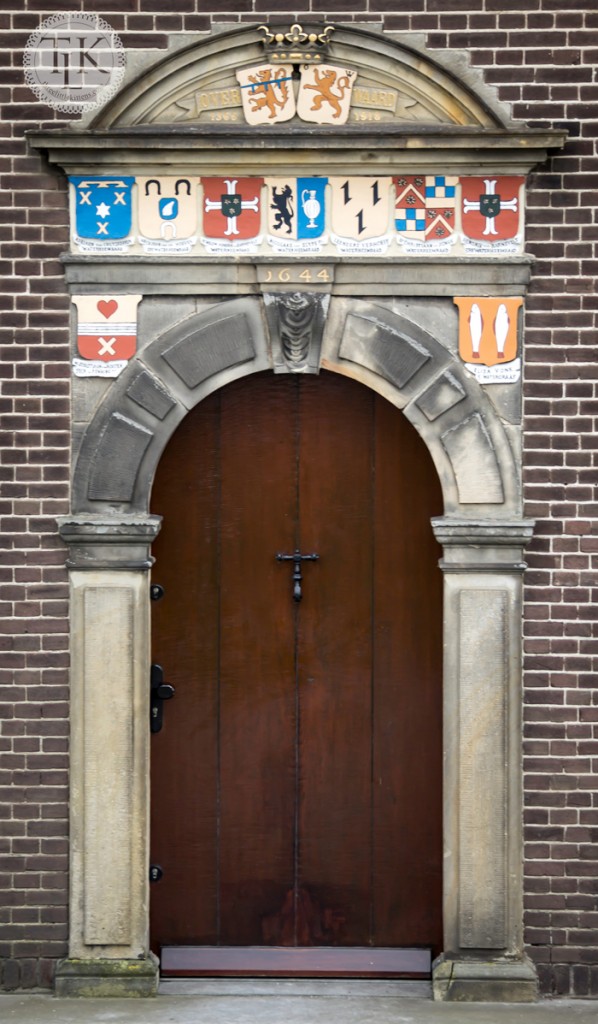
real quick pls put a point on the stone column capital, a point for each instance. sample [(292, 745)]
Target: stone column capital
[(109, 542), (483, 545)]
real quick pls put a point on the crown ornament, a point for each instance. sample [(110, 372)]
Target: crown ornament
[(297, 46)]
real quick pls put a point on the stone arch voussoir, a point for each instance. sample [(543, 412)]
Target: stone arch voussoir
[(467, 440)]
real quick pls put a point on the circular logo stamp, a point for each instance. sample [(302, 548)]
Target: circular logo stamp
[(74, 62)]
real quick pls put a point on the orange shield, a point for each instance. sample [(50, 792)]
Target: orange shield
[(488, 329)]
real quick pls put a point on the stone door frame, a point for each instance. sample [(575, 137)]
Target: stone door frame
[(109, 565), (387, 322)]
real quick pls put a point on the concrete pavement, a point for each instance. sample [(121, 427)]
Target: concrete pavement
[(288, 1002)]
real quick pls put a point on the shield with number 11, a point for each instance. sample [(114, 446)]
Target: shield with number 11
[(360, 207)]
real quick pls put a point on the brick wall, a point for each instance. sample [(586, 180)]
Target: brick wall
[(541, 55)]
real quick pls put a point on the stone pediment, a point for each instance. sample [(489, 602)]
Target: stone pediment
[(395, 84), (409, 111)]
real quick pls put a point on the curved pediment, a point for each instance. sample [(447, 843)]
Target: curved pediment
[(393, 83)]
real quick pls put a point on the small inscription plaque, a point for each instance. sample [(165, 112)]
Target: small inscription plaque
[(309, 276)]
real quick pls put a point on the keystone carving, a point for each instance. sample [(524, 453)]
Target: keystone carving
[(296, 321)]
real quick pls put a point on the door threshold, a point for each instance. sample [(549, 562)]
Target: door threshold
[(301, 987), (295, 962)]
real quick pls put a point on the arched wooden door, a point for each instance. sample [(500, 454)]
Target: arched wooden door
[(296, 783)]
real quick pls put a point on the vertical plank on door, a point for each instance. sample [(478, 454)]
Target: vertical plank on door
[(408, 689), (257, 699), (184, 642), (334, 678)]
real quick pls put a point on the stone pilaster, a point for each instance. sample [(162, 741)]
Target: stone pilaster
[(483, 907), (108, 938)]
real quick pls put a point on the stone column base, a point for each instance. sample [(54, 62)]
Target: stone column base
[(484, 981), (137, 978)]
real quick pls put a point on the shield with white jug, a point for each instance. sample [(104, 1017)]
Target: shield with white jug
[(296, 207)]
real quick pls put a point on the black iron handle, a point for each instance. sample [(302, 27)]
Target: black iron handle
[(160, 691), (297, 558)]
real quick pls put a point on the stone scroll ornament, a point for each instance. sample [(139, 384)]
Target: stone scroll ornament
[(103, 213), (296, 214), (106, 334), (167, 213), (488, 338), (491, 214)]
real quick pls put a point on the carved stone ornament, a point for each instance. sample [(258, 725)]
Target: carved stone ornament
[(395, 84), (296, 321), (297, 45)]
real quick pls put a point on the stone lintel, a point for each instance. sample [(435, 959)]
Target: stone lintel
[(133, 978), (482, 545), (399, 275), (504, 980), (111, 542), (394, 149)]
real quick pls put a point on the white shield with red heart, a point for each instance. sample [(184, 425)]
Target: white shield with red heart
[(107, 327)]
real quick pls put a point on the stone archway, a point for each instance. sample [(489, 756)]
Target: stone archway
[(466, 438), (110, 536)]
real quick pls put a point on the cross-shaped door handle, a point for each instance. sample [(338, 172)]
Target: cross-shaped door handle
[(297, 558)]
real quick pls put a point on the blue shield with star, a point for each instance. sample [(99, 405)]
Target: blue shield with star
[(103, 206)]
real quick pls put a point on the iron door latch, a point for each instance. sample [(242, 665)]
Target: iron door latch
[(297, 559)]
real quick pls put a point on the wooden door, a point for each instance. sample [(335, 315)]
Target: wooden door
[(296, 783)]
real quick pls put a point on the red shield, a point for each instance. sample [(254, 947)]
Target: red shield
[(490, 207), (231, 207)]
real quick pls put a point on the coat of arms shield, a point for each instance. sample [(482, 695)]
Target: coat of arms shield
[(425, 207), (360, 207), (296, 207), (491, 207), (267, 93), (488, 329), (107, 326), (167, 207), (102, 206), (231, 207), (325, 93)]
